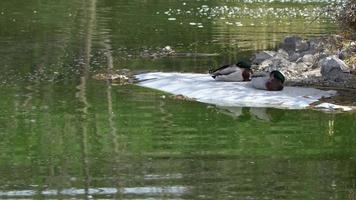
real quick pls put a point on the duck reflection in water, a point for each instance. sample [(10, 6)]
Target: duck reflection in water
[(244, 114)]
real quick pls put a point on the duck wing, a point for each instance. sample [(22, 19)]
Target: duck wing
[(225, 70), (231, 77)]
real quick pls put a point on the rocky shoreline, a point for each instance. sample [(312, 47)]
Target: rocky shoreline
[(319, 61), (325, 62)]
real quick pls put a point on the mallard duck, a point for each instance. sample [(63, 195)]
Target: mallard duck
[(272, 81), (236, 72)]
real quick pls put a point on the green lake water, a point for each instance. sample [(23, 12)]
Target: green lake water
[(64, 135)]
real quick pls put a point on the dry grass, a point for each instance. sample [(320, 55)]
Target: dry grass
[(347, 16), (352, 64)]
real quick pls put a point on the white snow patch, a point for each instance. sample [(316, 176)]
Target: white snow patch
[(205, 89), (332, 107)]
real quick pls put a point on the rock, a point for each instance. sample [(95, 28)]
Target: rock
[(318, 61), (315, 44), (313, 73), (294, 56), (334, 69), (320, 56), (295, 44), (281, 54), (345, 54), (167, 50), (283, 65), (353, 46), (332, 62), (317, 58), (338, 38), (302, 46), (290, 43), (265, 65), (302, 67), (308, 59), (258, 58)]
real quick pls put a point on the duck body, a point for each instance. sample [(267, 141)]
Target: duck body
[(259, 81), (232, 73), (272, 81)]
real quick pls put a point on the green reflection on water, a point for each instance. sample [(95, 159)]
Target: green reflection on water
[(60, 129), (132, 137), (45, 39)]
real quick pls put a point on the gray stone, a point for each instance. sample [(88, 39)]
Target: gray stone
[(315, 45), (299, 60), (283, 65), (302, 46), (295, 44), (334, 69), (338, 38), (294, 56), (320, 56), (308, 59), (282, 54), (301, 67), (265, 65), (345, 54), (353, 46), (258, 58)]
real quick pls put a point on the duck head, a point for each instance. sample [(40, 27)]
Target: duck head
[(275, 83), (243, 64), (277, 75), (247, 72)]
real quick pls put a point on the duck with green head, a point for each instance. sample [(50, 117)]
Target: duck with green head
[(272, 81), (240, 71)]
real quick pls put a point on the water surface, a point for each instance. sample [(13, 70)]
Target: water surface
[(65, 135)]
